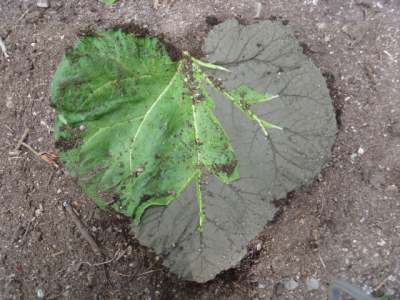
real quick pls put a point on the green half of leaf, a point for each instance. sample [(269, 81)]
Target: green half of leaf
[(141, 126)]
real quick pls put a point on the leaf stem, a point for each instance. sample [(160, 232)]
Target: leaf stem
[(202, 215), (139, 130), (199, 196), (205, 64)]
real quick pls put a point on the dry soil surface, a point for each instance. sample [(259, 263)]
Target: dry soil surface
[(343, 226)]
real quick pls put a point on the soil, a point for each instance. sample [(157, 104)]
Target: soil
[(343, 226)]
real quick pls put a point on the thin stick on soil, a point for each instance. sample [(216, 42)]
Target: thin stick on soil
[(31, 149), (51, 178), (47, 157), (322, 261), (117, 256), (20, 141), (27, 230), (376, 288), (85, 234), (147, 273), (24, 14)]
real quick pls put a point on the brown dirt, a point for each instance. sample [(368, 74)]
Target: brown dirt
[(344, 226)]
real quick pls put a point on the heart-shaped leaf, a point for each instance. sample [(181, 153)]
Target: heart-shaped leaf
[(195, 152)]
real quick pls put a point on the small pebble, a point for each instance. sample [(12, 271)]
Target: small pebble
[(40, 293), (290, 284), (9, 104), (392, 188), (360, 151), (261, 286), (42, 3), (39, 211), (312, 284), (259, 246), (321, 25), (258, 9), (381, 243), (353, 157)]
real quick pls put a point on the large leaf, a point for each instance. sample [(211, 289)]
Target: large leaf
[(194, 152)]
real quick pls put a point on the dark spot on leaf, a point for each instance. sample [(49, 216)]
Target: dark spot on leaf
[(73, 141), (145, 198), (172, 51), (67, 82), (228, 169), (244, 105), (139, 170), (198, 98), (66, 144), (109, 197)]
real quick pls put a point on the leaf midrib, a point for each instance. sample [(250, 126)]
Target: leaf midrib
[(138, 131)]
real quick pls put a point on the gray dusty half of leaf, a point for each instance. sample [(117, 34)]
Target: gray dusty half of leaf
[(273, 161)]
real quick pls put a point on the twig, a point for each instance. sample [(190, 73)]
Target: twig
[(148, 272), (379, 285), (322, 261), (30, 149), (57, 253), (50, 158), (117, 257), (123, 275), (51, 178), (24, 14), (96, 264), (20, 141), (9, 128), (3, 48), (85, 234), (28, 229)]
